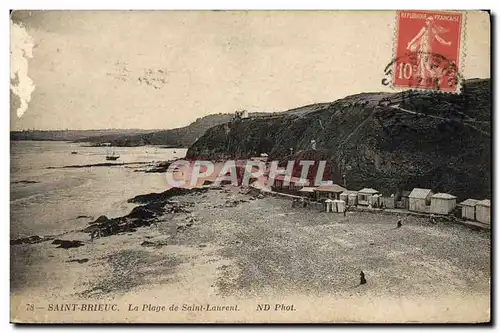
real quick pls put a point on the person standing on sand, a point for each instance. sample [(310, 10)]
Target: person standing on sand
[(362, 279)]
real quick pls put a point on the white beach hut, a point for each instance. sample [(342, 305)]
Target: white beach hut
[(328, 205), (388, 201), (469, 209), (307, 191), (443, 203), (420, 200), (483, 211), (365, 196), (338, 206), (349, 197)]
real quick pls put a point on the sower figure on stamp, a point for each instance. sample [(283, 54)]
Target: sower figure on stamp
[(421, 44)]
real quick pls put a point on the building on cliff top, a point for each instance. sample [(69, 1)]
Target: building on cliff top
[(240, 114)]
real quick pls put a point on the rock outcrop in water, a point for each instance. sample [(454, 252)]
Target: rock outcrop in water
[(164, 196), (152, 206), (388, 141)]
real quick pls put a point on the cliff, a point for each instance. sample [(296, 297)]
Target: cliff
[(388, 141), (177, 137)]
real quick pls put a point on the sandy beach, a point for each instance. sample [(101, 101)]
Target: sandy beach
[(234, 246)]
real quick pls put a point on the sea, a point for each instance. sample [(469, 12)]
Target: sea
[(47, 200)]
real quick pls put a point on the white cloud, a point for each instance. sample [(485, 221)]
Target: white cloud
[(21, 49)]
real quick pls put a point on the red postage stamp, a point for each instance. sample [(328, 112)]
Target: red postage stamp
[(427, 50)]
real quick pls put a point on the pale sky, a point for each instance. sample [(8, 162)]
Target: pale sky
[(164, 69)]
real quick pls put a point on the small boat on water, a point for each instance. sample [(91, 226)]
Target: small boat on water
[(112, 157), (74, 152)]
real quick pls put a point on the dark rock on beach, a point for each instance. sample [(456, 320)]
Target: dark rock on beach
[(159, 168), (101, 219), (30, 240), (25, 182), (141, 216), (80, 261), (144, 212), (163, 196), (175, 207), (158, 243), (67, 244), (157, 208), (153, 206)]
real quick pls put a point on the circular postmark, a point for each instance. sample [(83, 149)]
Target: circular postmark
[(421, 70)]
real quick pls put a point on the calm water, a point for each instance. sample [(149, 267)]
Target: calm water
[(52, 204)]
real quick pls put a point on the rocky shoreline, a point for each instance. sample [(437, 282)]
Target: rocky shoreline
[(154, 208), (151, 208)]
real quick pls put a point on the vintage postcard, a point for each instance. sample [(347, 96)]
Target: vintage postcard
[(250, 166)]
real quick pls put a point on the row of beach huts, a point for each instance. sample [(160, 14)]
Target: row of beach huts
[(419, 200)]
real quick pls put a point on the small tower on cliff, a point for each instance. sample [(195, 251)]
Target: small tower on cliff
[(240, 114), (313, 144)]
